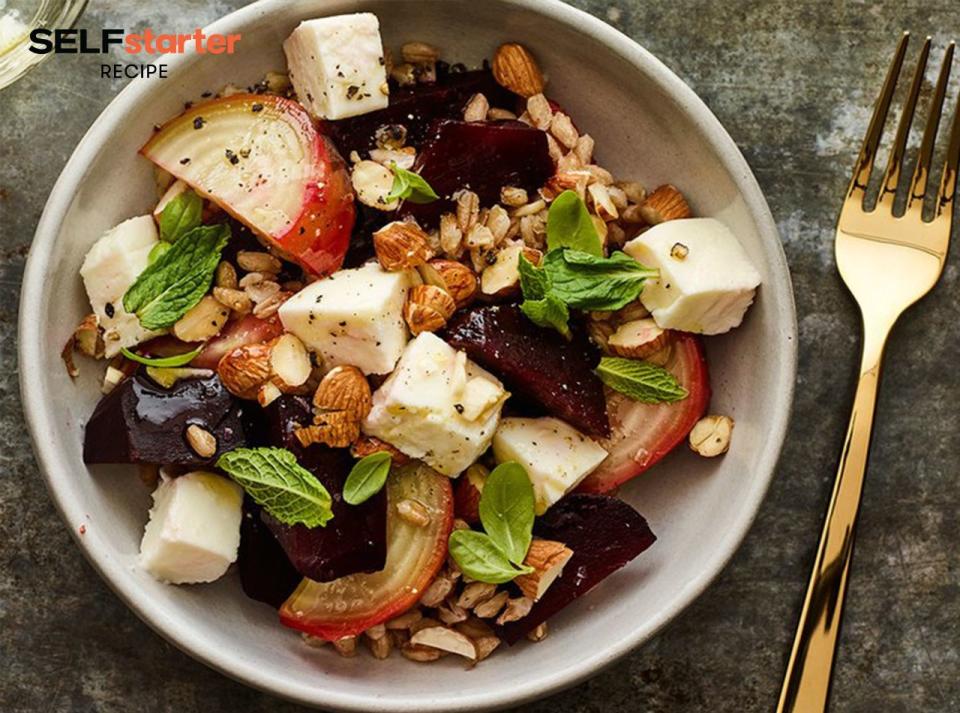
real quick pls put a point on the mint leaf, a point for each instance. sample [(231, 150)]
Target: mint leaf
[(175, 360), (366, 477), (178, 279), (274, 479), (549, 312), (506, 510), (569, 225), (409, 186), (640, 380), (479, 558), (180, 216), (589, 282), (540, 305)]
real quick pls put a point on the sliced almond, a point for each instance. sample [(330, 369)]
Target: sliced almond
[(346, 647), (290, 361), (203, 321), (548, 559), (516, 609), (267, 394), (381, 647), (420, 654), (401, 245), (88, 337), (372, 183), (444, 639), (476, 593), (710, 437), (439, 589), (502, 278), (638, 339), (258, 261), (405, 620), (515, 69), (492, 606), (368, 445)]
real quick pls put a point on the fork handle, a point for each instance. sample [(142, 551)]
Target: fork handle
[(806, 685)]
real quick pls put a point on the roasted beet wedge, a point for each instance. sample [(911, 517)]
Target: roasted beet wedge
[(481, 156), (355, 539), (537, 364), (266, 574), (604, 533), (142, 422), (353, 604), (644, 433), (416, 108)]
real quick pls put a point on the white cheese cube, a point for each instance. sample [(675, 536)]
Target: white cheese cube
[(706, 283), (112, 265), (336, 65), (194, 530), (353, 317), (556, 455), (422, 408)]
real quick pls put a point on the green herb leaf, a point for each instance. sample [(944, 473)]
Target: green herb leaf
[(506, 510), (156, 251), (588, 282), (274, 479), (366, 477), (640, 380), (175, 360), (540, 304), (569, 225), (180, 216), (409, 186), (478, 557), (179, 278)]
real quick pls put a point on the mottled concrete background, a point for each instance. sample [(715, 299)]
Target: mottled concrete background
[(792, 80)]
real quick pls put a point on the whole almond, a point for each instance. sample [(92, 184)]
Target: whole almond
[(665, 203), (401, 245), (457, 279), (245, 369), (344, 388), (516, 69)]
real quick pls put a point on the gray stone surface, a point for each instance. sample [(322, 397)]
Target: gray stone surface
[(792, 81)]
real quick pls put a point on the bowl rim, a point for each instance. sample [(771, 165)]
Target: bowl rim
[(51, 460)]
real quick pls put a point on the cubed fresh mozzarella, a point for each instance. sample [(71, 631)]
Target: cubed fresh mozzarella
[(557, 456), (706, 283), (336, 65), (112, 265), (353, 317), (437, 406), (194, 530)]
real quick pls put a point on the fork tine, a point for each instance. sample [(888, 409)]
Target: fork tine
[(864, 166), (921, 174), (891, 178), (948, 182)]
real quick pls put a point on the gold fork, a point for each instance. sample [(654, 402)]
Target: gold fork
[(888, 262)]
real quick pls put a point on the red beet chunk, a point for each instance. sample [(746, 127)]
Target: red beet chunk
[(142, 422), (266, 574), (481, 156), (535, 363), (604, 533), (355, 540), (416, 108)]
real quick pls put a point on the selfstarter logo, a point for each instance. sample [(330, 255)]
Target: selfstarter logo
[(138, 44)]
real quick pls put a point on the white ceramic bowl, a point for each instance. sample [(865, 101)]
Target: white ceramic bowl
[(649, 126)]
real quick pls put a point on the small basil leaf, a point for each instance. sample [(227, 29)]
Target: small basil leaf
[(181, 215), (640, 380), (479, 558), (409, 186), (507, 510), (366, 477), (275, 480), (178, 279), (569, 225), (170, 361)]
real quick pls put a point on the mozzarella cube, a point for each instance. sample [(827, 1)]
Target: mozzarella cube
[(706, 282), (193, 534), (556, 455), (422, 408), (336, 65), (110, 267), (353, 317)]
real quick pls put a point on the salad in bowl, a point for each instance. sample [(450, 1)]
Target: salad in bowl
[(391, 340)]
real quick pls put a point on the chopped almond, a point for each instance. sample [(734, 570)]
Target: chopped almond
[(444, 639), (548, 559)]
